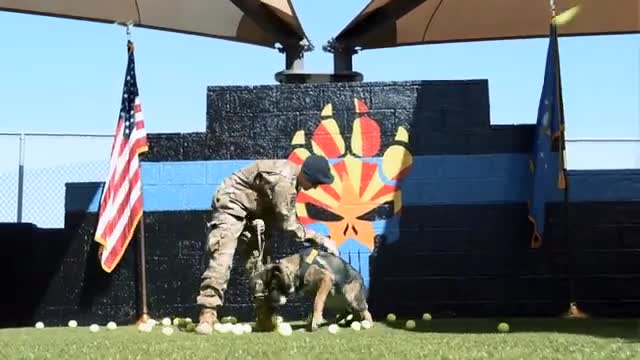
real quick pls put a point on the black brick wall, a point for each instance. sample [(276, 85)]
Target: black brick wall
[(451, 117), (451, 260)]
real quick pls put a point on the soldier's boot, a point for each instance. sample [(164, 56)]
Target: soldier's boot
[(208, 317)]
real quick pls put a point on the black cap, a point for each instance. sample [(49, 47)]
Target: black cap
[(316, 169)]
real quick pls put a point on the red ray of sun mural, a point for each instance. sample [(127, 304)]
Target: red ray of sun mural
[(359, 194)]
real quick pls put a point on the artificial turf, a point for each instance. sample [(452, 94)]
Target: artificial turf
[(435, 339)]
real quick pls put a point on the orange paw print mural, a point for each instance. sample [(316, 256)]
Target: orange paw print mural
[(365, 197)]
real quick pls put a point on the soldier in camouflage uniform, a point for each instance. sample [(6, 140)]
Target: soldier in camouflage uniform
[(266, 186)]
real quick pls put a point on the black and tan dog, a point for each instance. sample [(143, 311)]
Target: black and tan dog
[(328, 279)]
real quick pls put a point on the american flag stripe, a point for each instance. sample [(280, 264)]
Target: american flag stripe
[(121, 205), (123, 201), (121, 178), (139, 135)]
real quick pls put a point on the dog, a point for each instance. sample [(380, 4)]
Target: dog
[(328, 279)]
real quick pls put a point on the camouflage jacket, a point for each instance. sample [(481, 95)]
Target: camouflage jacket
[(265, 186)]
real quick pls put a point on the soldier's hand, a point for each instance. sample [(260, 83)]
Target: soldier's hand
[(331, 246)]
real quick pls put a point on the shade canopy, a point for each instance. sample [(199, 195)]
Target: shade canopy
[(257, 22), (391, 23)]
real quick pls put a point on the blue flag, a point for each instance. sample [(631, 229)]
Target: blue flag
[(543, 164)]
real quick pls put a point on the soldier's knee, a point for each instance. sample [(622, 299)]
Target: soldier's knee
[(221, 240)]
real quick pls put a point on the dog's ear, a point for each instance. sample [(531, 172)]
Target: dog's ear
[(280, 277), (276, 269), (276, 277)]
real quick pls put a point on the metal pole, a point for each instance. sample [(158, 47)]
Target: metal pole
[(142, 264), (21, 177), (142, 272), (574, 310), (9, 133), (294, 57)]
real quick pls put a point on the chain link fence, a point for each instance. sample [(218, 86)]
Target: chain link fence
[(34, 169), (10, 150)]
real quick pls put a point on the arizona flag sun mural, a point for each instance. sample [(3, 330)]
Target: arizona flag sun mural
[(365, 199)]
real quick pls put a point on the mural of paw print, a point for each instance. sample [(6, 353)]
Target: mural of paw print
[(365, 199)]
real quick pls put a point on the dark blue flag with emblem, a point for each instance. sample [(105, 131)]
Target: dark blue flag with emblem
[(546, 161)]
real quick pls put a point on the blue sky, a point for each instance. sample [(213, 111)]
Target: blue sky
[(62, 75), (66, 75)]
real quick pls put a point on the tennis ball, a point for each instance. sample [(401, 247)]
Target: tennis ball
[(333, 329), (229, 320), (177, 321), (247, 328), (566, 16), (356, 326), (503, 327), (94, 328), (167, 330), (277, 319), (111, 325), (237, 329), (188, 320), (410, 324), (166, 321), (39, 325), (366, 324), (391, 317), (145, 327), (190, 327), (283, 300), (72, 323), (426, 316), (284, 329), (223, 328)]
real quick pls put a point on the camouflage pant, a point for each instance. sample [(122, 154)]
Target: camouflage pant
[(226, 234)]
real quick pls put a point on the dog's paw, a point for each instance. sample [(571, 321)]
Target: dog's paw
[(315, 324)]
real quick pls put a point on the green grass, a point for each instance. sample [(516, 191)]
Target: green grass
[(436, 339)]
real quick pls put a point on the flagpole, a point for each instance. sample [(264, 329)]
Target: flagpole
[(142, 265), (574, 311), (142, 271)]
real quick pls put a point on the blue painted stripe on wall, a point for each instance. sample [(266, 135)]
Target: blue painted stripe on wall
[(437, 179)]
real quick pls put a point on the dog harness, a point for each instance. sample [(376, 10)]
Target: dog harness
[(308, 257)]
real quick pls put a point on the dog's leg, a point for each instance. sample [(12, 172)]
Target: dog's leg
[(367, 316), (358, 304), (325, 282)]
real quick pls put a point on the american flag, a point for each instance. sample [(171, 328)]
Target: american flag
[(121, 202)]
